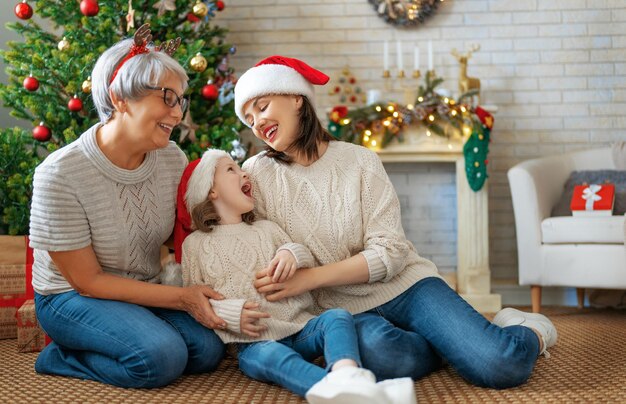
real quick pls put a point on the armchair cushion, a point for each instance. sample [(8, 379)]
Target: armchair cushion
[(617, 177), (583, 230)]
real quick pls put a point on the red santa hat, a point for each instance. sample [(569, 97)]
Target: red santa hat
[(277, 75), (193, 189)]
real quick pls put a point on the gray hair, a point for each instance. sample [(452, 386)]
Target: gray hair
[(134, 77)]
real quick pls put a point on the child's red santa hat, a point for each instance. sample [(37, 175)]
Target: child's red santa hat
[(194, 187), (278, 75)]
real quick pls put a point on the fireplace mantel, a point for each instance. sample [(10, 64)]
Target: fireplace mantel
[(473, 276)]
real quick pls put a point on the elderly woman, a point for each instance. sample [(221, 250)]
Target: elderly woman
[(102, 207)]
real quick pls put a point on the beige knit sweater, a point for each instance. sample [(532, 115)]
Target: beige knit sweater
[(227, 259), (341, 205)]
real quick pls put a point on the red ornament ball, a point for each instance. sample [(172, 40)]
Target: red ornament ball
[(31, 83), (191, 17), (89, 7), (220, 5), (23, 11), (75, 104), (41, 132), (210, 92)]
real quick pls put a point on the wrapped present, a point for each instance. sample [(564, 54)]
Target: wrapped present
[(593, 200), (16, 263), (30, 336)]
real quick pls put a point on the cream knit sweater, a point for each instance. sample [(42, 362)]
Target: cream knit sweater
[(227, 259), (341, 205)]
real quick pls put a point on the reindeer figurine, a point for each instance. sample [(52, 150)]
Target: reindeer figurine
[(467, 83)]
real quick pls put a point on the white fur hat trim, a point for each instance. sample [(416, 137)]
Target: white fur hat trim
[(269, 79), (201, 180)]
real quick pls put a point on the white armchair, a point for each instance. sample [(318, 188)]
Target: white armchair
[(569, 251)]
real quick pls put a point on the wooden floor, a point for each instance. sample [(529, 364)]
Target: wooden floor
[(587, 365)]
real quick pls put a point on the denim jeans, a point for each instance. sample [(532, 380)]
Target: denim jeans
[(441, 324), (287, 362), (122, 344)]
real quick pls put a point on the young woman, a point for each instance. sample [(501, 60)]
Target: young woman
[(225, 252), (102, 208), (336, 199)]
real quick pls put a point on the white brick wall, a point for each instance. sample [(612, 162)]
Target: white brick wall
[(556, 69)]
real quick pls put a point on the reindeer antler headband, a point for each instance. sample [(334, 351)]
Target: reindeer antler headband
[(140, 41)]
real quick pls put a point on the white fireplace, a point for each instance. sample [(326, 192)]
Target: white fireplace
[(473, 276)]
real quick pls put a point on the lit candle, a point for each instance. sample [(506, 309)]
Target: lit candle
[(416, 58), (430, 55), (386, 56), (399, 54)]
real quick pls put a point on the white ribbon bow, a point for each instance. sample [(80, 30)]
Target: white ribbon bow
[(590, 194)]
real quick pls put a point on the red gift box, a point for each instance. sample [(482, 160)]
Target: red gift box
[(593, 200), (30, 336), (16, 265)]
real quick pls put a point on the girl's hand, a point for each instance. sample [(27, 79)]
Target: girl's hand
[(195, 301), (282, 266), (250, 320), (301, 282)]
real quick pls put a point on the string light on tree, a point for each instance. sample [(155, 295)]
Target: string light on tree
[(31, 83), (41, 132), (23, 10), (89, 8)]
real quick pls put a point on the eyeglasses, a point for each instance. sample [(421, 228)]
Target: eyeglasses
[(171, 99)]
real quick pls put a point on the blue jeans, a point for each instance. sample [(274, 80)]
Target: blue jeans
[(287, 362), (122, 344), (432, 322)]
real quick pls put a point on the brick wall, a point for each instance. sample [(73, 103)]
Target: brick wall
[(556, 69)]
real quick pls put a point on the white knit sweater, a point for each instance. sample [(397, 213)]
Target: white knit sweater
[(342, 205), (227, 259)]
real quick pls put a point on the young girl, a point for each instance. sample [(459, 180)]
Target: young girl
[(226, 251), (336, 199)]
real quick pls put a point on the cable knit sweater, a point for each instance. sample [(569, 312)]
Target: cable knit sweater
[(80, 198), (227, 259), (342, 205)]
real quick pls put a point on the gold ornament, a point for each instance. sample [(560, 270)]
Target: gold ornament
[(198, 63), (200, 9), (64, 44), (87, 85)]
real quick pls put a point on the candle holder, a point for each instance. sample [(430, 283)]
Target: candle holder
[(407, 85)]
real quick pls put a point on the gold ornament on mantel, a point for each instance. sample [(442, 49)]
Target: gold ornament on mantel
[(87, 85), (198, 63), (64, 44), (200, 9), (467, 83)]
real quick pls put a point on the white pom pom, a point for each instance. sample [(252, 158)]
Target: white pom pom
[(172, 274)]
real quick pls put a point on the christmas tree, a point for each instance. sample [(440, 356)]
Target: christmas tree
[(49, 83)]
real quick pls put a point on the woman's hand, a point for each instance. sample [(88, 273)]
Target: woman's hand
[(250, 320), (302, 281), (195, 301)]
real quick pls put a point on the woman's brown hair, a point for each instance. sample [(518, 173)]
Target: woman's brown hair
[(311, 133), (204, 216)]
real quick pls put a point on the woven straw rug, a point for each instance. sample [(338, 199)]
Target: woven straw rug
[(587, 365)]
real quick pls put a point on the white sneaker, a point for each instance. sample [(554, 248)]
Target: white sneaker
[(509, 316), (348, 385), (399, 391)]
